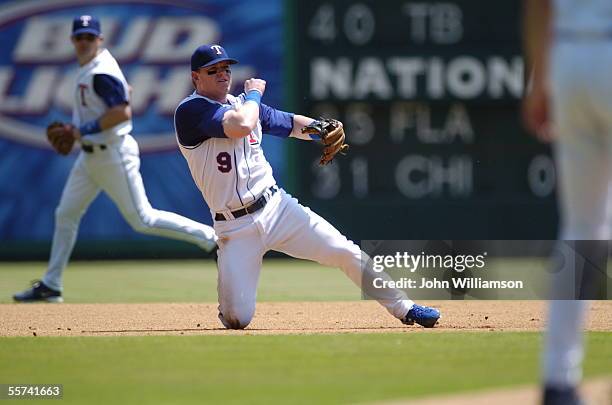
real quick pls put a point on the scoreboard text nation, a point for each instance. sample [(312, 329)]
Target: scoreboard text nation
[(429, 93)]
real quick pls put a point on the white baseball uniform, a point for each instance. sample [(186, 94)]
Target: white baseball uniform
[(233, 174), (581, 94), (112, 165)]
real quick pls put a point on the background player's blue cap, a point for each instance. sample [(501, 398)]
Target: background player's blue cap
[(86, 24), (207, 55)]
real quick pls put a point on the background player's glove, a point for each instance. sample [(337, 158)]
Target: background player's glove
[(61, 137), (331, 133)]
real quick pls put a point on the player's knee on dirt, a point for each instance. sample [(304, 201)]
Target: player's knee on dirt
[(232, 323), (236, 318)]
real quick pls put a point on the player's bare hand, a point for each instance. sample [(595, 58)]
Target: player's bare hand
[(255, 84), (536, 113)]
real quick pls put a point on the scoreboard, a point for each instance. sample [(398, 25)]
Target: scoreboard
[(429, 93)]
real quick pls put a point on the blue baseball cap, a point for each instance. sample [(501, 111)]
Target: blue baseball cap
[(86, 24), (207, 55)]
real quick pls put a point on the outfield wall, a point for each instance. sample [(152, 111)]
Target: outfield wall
[(429, 94)]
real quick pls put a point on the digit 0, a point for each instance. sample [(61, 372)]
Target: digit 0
[(225, 162)]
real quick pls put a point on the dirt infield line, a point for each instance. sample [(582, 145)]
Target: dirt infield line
[(272, 318), (595, 391)]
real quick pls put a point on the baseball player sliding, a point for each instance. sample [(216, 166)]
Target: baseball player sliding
[(109, 161), (220, 137)]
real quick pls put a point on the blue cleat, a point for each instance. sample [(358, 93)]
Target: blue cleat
[(424, 316), (39, 292)]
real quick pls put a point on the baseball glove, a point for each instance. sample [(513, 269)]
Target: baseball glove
[(60, 137), (331, 134)]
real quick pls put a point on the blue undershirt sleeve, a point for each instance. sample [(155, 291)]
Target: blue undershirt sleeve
[(197, 120), (275, 122), (110, 90)]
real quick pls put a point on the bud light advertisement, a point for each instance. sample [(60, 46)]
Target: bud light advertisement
[(152, 40)]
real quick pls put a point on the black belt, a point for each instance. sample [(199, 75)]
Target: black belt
[(90, 148), (251, 208)]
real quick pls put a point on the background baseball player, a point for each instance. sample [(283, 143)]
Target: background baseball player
[(109, 161), (569, 49), (220, 137)]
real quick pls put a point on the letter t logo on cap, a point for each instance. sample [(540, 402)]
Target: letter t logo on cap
[(217, 48), (85, 19)]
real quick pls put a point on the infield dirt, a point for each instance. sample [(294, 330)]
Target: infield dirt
[(274, 318)]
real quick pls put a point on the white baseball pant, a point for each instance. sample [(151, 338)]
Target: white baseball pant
[(285, 226), (582, 115)]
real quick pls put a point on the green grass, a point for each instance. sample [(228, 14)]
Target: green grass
[(179, 281), (342, 368), (280, 369), (196, 280)]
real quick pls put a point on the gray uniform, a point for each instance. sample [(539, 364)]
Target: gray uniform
[(581, 90)]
